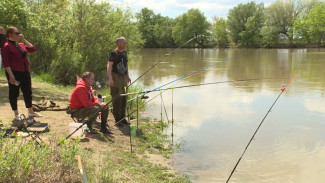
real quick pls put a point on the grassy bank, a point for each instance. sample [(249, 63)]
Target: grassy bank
[(105, 158)]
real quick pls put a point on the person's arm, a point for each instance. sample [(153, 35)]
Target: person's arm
[(29, 46), (5, 60), (109, 73), (2, 37), (12, 78), (129, 79), (2, 40)]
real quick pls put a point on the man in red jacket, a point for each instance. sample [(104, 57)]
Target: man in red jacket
[(83, 103)]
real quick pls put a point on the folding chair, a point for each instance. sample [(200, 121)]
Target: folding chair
[(74, 118), (33, 132)]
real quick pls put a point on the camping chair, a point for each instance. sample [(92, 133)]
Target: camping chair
[(33, 132), (74, 118)]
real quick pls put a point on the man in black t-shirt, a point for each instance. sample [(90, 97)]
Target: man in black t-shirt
[(118, 77)]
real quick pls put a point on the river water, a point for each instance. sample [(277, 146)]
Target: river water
[(215, 122)]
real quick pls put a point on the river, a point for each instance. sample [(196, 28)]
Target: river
[(215, 122)]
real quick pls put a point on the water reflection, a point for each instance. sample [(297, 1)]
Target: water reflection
[(216, 121)]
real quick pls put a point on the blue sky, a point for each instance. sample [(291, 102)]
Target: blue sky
[(174, 8)]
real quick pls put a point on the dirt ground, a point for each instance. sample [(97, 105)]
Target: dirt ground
[(59, 123)]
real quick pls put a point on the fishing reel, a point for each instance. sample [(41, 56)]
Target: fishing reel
[(144, 97)]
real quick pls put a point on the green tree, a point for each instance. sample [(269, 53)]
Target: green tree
[(311, 28), (252, 36), (163, 30), (190, 24), (245, 22), (71, 36), (280, 17), (219, 30), (156, 30), (13, 12), (146, 25)]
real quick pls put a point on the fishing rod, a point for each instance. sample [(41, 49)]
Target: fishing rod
[(154, 98), (194, 72), (282, 90), (118, 95), (201, 84)]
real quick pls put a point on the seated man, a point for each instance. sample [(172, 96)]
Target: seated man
[(83, 103)]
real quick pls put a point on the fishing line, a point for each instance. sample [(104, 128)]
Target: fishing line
[(194, 72), (282, 90), (128, 112), (173, 116), (161, 114), (118, 95), (201, 84), (165, 110), (162, 107), (188, 76)]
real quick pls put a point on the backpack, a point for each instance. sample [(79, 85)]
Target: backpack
[(121, 69)]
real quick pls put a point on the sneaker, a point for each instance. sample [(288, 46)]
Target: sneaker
[(91, 130), (17, 117), (36, 114), (104, 130), (30, 121)]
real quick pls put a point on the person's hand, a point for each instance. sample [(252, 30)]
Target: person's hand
[(129, 80), (103, 104), (21, 36), (1, 30), (12, 80), (111, 82)]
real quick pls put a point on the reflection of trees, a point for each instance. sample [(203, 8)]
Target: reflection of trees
[(312, 63), (276, 63), (179, 64), (241, 64), (258, 64)]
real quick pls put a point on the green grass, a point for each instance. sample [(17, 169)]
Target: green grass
[(22, 161), (44, 77), (2, 72), (120, 166), (154, 139)]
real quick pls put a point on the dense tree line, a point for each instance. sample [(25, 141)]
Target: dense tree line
[(286, 23), (161, 32), (76, 35), (282, 23)]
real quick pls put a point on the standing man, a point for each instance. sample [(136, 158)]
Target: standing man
[(118, 75)]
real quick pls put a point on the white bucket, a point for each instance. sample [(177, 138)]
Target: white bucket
[(81, 133)]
